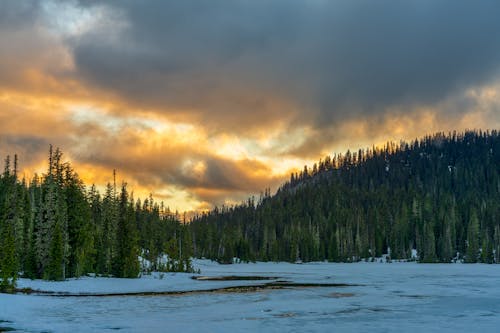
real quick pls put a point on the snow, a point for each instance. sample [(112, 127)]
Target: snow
[(389, 297)]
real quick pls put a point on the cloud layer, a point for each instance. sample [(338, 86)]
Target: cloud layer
[(202, 102)]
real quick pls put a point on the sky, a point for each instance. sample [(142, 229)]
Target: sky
[(207, 102)]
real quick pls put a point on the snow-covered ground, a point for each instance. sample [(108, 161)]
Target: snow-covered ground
[(395, 297)]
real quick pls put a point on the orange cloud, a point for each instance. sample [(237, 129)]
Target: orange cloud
[(199, 125)]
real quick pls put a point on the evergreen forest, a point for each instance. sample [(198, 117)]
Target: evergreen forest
[(435, 199), (54, 228)]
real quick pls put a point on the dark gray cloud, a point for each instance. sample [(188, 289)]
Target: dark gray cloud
[(331, 73), (28, 148), (332, 59), (15, 14)]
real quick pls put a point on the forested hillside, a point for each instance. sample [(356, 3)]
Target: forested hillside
[(439, 195), (53, 227)]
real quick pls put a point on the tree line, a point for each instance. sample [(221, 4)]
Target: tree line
[(438, 196), (53, 227)]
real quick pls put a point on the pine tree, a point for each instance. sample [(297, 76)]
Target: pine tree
[(9, 265), (80, 233), (11, 228), (31, 260), (109, 220), (447, 241), (46, 222), (56, 262), (472, 239), (126, 262), (487, 255)]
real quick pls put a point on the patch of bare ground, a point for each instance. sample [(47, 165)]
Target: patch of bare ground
[(231, 289), (233, 278)]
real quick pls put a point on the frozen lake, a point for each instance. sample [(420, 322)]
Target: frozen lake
[(392, 297)]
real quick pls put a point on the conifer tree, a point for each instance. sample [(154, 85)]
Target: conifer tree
[(109, 220), (80, 233), (472, 238), (9, 266), (55, 268), (126, 262), (11, 227)]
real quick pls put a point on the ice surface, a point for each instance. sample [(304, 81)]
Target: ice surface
[(395, 297)]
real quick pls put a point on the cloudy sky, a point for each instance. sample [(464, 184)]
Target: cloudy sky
[(209, 101)]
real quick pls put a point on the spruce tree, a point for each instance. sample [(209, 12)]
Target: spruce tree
[(80, 233), (126, 262), (109, 219), (9, 265), (11, 228), (56, 261), (472, 239)]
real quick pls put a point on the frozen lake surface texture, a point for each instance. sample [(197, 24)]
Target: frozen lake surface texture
[(380, 297)]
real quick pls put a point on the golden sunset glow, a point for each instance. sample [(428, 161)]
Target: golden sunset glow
[(201, 117)]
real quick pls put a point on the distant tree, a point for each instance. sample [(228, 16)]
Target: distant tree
[(472, 239)]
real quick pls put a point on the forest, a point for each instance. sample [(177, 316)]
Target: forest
[(438, 197), (54, 228)]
